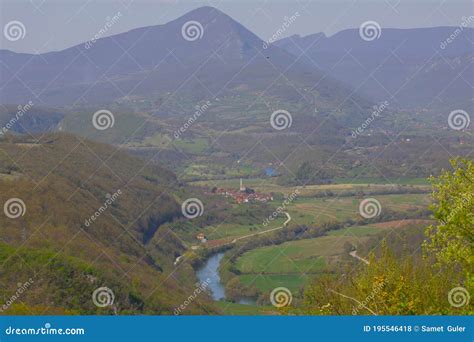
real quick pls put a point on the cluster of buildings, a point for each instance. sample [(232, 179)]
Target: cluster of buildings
[(243, 194), (201, 237)]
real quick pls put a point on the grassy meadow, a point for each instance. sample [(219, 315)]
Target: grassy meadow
[(293, 264)]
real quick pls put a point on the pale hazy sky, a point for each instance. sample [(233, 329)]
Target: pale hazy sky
[(57, 24)]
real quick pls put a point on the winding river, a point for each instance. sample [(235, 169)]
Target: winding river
[(210, 270), (209, 273)]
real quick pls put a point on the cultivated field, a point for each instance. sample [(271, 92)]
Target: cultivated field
[(318, 210), (294, 263)]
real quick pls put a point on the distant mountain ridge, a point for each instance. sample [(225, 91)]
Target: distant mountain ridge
[(163, 73), (418, 67), (157, 61)]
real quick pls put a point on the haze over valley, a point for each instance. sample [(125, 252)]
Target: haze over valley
[(193, 167)]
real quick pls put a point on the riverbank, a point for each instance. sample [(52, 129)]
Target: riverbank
[(209, 272)]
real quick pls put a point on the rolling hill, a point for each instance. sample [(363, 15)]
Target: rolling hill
[(90, 213), (154, 80), (157, 64), (411, 68), (28, 118)]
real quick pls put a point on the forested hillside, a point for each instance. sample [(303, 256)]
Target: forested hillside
[(59, 182), (408, 274)]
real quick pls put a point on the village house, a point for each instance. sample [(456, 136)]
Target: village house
[(243, 194), (201, 237)]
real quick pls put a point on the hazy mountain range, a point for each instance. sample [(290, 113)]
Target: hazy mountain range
[(152, 81), (408, 67), (151, 62)]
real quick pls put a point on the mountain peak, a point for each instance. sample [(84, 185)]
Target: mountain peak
[(205, 14), (204, 10)]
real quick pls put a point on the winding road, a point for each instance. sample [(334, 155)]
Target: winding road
[(178, 259), (354, 255), (265, 231)]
